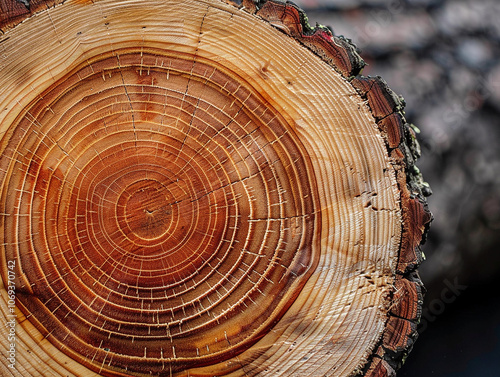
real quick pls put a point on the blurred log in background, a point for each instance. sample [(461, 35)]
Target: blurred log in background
[(442, 56)]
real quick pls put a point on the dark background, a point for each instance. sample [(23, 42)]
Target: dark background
[(443, 57)]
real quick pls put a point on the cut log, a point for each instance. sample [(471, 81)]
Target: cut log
[(201, 188)]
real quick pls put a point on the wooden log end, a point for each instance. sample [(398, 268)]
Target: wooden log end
[(135, 100)]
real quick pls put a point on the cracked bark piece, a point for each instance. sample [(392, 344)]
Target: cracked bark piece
[(201, 188)]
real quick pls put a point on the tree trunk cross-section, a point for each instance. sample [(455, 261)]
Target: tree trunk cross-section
[(201, 188)]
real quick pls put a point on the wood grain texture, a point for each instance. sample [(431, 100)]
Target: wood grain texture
[(219, 194)]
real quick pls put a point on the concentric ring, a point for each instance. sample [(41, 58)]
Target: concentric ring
[(163, 209)]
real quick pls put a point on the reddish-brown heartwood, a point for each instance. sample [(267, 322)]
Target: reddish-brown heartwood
[(387, 110), (13, 12)]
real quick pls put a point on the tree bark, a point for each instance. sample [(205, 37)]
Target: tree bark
[(202, 188)]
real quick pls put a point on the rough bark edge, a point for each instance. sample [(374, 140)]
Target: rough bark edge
[(13, 12), (400, 138), (338, 51)]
